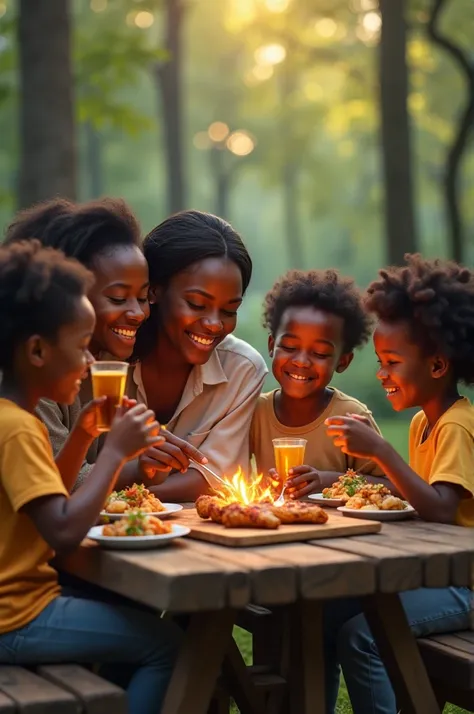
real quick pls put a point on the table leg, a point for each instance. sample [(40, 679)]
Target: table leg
[(399, 651), (248, 700), (192, 684), (303, 657)]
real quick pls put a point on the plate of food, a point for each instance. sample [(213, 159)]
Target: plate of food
[(341, 490), (137, 531), (137, 498), (375, 502)]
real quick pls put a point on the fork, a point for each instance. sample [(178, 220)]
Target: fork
[(212, 473), (280, 500)]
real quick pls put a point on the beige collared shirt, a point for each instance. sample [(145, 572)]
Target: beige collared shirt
[(217, 404)]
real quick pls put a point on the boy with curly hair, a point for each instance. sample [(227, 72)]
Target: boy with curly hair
[(424, 340), (316, 320)]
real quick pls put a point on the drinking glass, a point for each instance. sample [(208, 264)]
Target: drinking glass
[(289, 452), (108, 380)]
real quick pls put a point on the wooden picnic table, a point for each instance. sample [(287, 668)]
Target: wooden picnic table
[(211, 583)]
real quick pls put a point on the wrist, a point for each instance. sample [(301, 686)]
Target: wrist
[(112, 456), (82, 436), (382, 452)]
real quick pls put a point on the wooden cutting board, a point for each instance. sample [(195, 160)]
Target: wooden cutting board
[(336, 526)]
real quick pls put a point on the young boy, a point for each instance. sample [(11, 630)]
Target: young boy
[(424, 341), (316, 320), (47, 322)]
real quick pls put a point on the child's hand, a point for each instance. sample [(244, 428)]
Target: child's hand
[(354, 435), (87, 420), (134, 430), (303, 480)]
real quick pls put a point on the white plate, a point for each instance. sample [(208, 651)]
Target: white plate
[(331, 502), (377, 515), (137, 542), (170, 508)]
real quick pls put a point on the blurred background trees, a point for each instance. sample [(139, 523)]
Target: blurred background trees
[(336, 133)]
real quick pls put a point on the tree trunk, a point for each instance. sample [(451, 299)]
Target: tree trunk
[(169, 80), (294, 243), (464, 131), (47, 134), (94, 171), (290, 175), (222, 180), (395, 131)]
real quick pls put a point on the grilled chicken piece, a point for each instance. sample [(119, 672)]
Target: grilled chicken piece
[(204, 503), (237, 515), (298, 512), (216, 510)]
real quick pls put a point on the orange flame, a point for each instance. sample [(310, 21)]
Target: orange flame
[(240, 490)]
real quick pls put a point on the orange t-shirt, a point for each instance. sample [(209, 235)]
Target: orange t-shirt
[(27, 471), (447, 454)]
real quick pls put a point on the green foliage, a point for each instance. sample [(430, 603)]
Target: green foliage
[(110, 56)]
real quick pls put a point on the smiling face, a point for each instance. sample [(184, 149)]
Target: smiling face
[(120, 300), (198, 308), (307, 350), (61, 364), (408, 375)]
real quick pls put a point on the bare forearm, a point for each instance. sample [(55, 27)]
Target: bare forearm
[(72, 456), (182, 487), (65, 521), (424, 498)]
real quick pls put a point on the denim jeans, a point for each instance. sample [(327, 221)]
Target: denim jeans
[(136, 647), (349, 644)]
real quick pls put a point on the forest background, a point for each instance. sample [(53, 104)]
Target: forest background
[(331, 133)]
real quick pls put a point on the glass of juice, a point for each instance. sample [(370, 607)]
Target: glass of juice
[(108, 380), (288, 453)]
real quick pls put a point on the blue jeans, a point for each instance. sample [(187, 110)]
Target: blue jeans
[(349, 644), (137, 648)]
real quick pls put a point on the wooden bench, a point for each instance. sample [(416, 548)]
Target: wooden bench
[(58, 689), (449, 660)]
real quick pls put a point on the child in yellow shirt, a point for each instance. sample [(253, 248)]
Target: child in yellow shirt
[(47, 323), (315, 320), (424, 340)]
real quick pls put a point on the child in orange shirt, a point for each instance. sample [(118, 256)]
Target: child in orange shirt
[(47, 323), (316, 320), (424, 340)]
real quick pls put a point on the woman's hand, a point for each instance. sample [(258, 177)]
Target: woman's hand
[(173, 454), (303, 480), (354, 435)]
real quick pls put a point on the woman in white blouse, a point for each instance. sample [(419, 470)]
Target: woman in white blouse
[(200, 380)]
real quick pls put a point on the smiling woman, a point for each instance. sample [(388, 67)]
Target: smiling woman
[(104, 236), (197, 377)]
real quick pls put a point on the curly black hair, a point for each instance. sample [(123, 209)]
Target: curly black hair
[(324, 290), (39, 289), (33, 222), (436, 297), (84, 231)]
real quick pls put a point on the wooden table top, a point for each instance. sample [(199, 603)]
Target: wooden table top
[(194, 576)]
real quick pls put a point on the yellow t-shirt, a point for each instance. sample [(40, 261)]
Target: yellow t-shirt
[(448, 453), (320, 450), (27, 471)]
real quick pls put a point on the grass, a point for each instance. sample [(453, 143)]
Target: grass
[(244, 641)]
